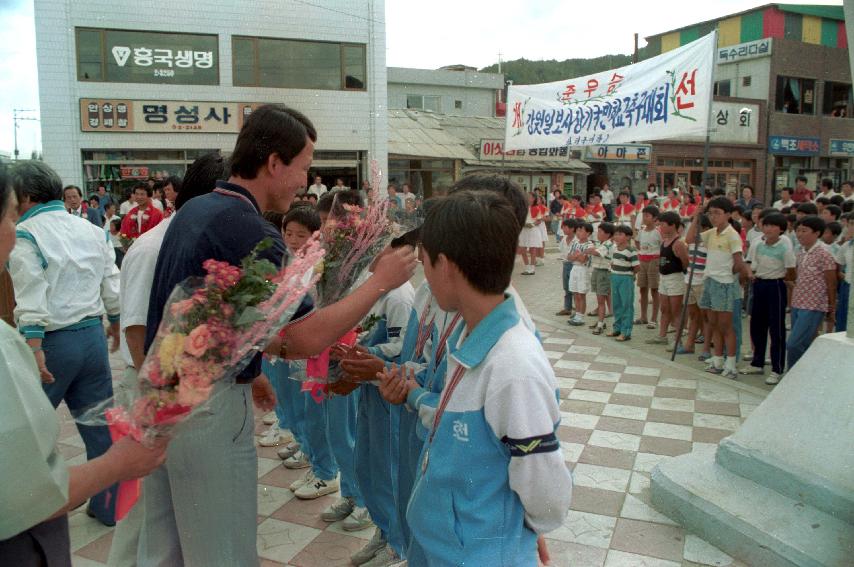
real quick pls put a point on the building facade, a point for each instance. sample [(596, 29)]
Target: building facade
[(141, 89), (453, 91), (783, 101)]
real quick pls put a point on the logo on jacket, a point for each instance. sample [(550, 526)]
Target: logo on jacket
[(461, 431)]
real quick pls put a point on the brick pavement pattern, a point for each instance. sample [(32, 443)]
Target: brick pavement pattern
[(624, 410)]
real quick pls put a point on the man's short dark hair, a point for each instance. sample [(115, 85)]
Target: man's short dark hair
[(847, 206), (270, 129), (627, 230), (834, 210), (671, 218), (652, 210), (75, 187), (801, 178), (499, 184), (837, 200), (813, 223), (588, 227), (306, 216), (36, 180), (158, 185), (767, 211), (144, 186), (827, 182), (834, 227), (776, 219), (94, 198), (607, 228), (175, 181), (201, 177), (823, 201), (807, 208), (721, 203), (478, 231), (274, 218), (789, 190)]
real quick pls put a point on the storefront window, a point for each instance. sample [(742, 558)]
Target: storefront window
[(118, 170), (787, 168), (837, 170), (795, 96), (426, 177), (837, 100), (722, 88)]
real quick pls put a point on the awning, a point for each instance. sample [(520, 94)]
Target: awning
[(571, 166), (417, 134)]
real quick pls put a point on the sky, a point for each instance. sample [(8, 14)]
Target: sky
[(418, 34)]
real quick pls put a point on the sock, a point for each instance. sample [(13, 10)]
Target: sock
[(729, 364), (717, 361)]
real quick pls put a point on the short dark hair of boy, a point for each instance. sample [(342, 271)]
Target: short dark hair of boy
[(849, 216), (568, 222), (834, 227), (808, 209), (801, 178), (847, 206), (175, 181), (270, 129), (311, 196), (116, 223), (499, 184), (767, 211), (813, 223), (627, 230), (786, 210), (652, 210), (792, 218), (473, 230), (837, 200), (98, 200), (306, 216), (826, 182), (822, 201), (756, 206), (142, 185), (721, 203), (705, 222), (201, 177), (835, 211), (671, 218), (607, 228), (776, 219), (338, 197), (585, 225), (735, 225), (274, 218), (158, 184), (719, 192), (739, 210)]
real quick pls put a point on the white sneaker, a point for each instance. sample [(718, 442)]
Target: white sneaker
[(288, 450), (299, 460), (358, 520), (773, 378), (298, 483), (730, 373), (316, 488), (540, 262), (369, 551), (270, 418), (339, 510), (275, 436), (749, 369), (384, 558)]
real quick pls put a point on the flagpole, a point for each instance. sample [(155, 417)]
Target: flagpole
[(692, 257)]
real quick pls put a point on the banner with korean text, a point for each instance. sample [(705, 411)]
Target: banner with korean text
[(663, 97)]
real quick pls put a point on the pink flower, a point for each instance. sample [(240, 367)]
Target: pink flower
[(192, 395), (181, 308), (198, 341)]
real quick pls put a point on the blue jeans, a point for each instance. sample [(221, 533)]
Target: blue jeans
[(556, 230), (623, 297), (567, 295), (80, 366), (805, 325), (290, 400)]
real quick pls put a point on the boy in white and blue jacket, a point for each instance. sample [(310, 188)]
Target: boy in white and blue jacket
[(492, 475)]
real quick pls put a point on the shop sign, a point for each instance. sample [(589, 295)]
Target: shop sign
[(493, 149), (794, 146), (841, 148), (130, 172), (101, 115), (618, 153), (743, 51), (732, 123)]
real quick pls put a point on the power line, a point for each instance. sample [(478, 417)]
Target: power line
[(327, 8)]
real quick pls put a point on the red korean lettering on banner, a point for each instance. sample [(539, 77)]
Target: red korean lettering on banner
[(614, 83), (566, 96), (592, 85), (688, 88), (517, 115)]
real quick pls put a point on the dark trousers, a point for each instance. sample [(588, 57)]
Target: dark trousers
[(80, 366), (768, 317)]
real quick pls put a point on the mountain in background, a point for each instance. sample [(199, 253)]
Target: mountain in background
[(525, 72)]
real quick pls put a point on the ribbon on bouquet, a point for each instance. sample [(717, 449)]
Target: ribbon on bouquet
[(129, 491), (318, 367)]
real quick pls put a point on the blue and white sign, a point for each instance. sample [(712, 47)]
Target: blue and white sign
[(841, 148), (794, 146), (663, 97)]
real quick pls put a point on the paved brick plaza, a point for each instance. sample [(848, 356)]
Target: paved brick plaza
[(625, 409)]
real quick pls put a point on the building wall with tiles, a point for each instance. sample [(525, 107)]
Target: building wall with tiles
[(345, 120)]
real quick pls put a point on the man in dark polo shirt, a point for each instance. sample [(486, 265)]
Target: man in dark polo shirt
[(201, 506)]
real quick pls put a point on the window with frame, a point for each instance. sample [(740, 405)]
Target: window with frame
[(722, 88), (458, 104), (433, 103), (746, 81), (298, 64), (795, 96), (837, 100)]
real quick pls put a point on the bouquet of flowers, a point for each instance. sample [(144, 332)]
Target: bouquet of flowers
[(212, 327)]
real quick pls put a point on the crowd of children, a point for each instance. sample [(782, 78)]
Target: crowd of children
[(442, 432), (788, 267)]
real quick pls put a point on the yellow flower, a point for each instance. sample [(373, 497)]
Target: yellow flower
[(318, 268), (171, 348)]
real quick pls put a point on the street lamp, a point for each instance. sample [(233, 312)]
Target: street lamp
[(15, 120)]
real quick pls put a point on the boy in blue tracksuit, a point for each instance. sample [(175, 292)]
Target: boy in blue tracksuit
[(492, 475)]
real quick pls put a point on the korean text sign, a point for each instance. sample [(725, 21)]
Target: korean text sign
[(663, 97), (99, 115)]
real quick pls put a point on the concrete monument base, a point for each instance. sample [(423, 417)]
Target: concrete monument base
[(780, 490)]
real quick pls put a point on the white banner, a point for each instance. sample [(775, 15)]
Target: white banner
[(663, 97)]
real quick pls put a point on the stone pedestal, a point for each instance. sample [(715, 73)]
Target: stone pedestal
[(779, 491)]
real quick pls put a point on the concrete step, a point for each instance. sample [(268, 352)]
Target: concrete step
[(747, 520)]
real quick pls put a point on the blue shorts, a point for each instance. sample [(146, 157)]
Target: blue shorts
[(719, 296)]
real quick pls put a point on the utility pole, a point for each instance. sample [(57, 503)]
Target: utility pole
[(635, 52), (15, 119), (499, 61)]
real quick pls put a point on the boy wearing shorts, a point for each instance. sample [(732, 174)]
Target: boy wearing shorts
[(579, 282), (648, 241), (600, 280)]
